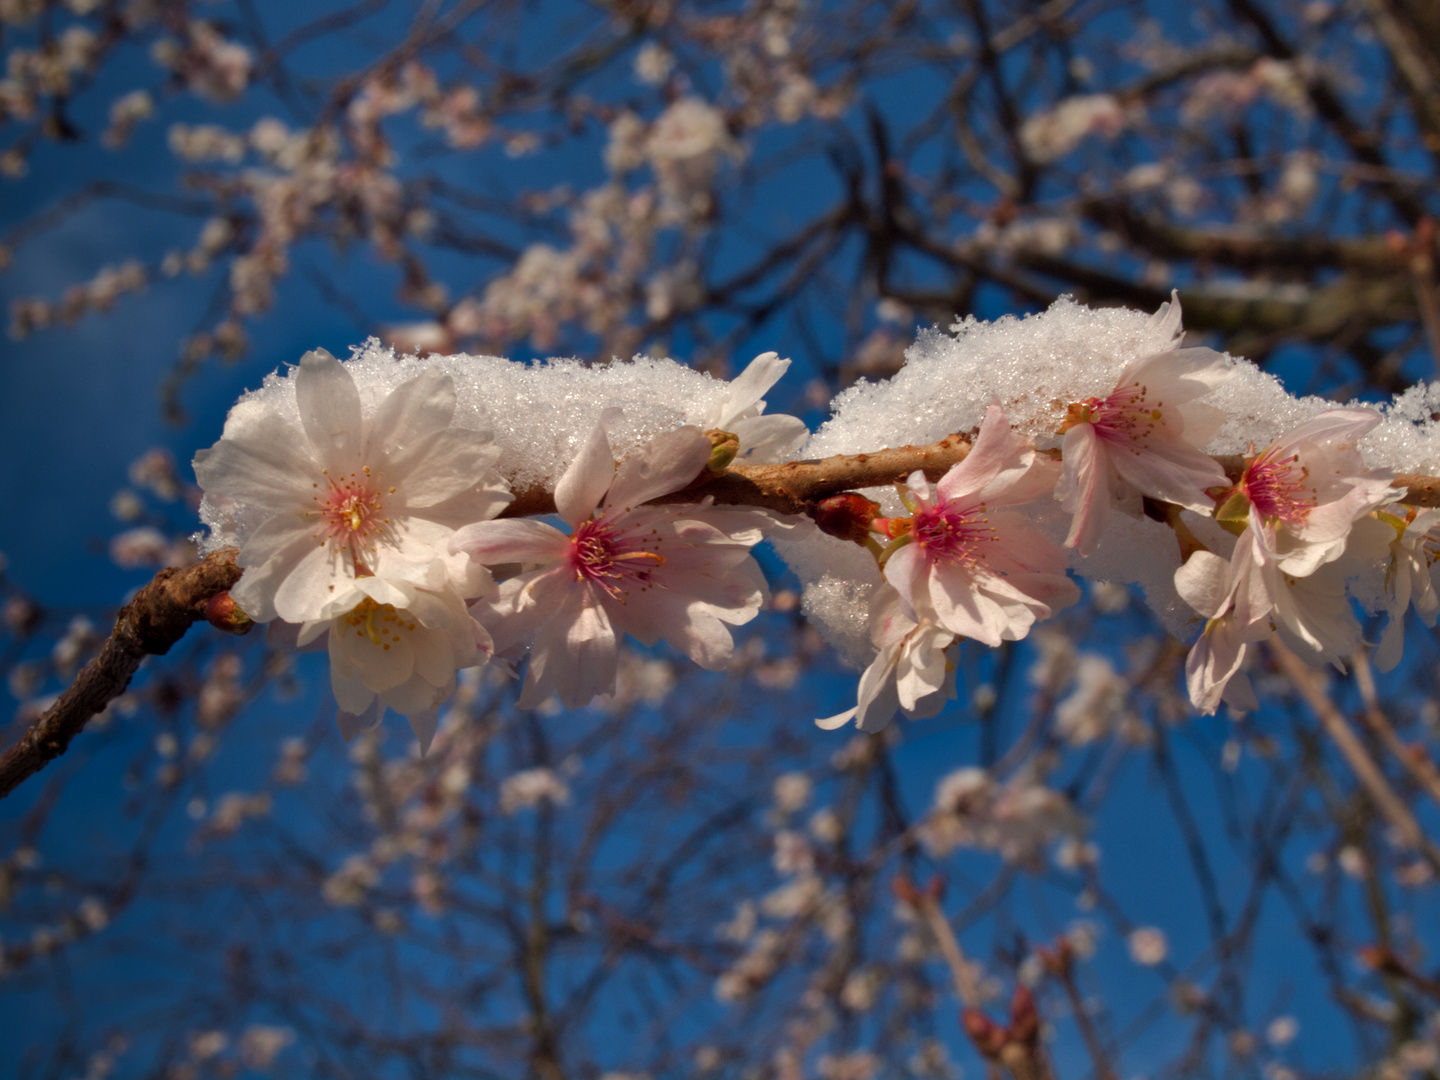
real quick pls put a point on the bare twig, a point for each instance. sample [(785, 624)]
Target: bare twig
[(1311, 684), (1412, 758)]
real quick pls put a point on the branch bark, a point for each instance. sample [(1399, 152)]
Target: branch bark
[(148, 625), (162, 611)]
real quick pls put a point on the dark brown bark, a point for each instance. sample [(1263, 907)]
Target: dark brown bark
[(148, 625)]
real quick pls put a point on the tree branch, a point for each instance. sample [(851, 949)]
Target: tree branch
[(162, 611), (153, 621)]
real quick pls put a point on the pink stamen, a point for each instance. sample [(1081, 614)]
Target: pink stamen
[(946, 532), (1126, 416), (1277, 489), (351, 511), (610, 560)]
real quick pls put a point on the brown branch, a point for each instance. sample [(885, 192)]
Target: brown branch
[(154, 620), (163, 610), (794, 487)]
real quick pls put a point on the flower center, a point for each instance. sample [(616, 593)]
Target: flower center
[(381, 623), (948, 533), (609, 559), (1127, 414), (351, 511), (1277, 488)]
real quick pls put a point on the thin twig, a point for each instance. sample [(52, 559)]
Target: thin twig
[(1412, 758), (1311, 684)]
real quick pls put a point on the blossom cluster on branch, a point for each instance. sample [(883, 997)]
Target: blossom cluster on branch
[(366, 501)]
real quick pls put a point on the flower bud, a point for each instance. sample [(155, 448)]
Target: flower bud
[(989, 1037), (223, 613), (724, 445), (1024, 1017), (848, 516)]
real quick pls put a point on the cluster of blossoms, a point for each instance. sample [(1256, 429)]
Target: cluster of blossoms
[(1304, 516), (374, 530), (386, 528)]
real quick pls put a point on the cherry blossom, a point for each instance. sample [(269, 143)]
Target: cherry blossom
[(1142, 439), (1300, 496), (398, 644), (911, 672), (678, 573), (1294, 507), (343, 495), (1245, 601), (1409, 578), (762, 438), (964, 562), (1016, 819)]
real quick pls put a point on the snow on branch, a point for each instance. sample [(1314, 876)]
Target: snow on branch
[(385, 506)]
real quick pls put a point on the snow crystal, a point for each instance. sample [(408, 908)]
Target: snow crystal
[(539, 413), (1033, 366)]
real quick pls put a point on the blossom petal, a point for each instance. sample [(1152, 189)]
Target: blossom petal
[(1082, 490), (574, 654), (365, 718), (666, 463), (510, 541), (330, 409), (453, 461), (1167, 467), (839, 720), (768, 438), (878, 700), (423, 724), (584, 483), (998, 450), (1203, 582), (413, 413), (747, 388), (262, 461)]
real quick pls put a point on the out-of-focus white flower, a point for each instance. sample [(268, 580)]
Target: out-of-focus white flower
[(1016, 820), (345, 495), (261, 1044), (1049, 135), (792, 792), (680, 573), (1097, 706), (685, 145), (1148, 945), (653, 63), (858, 1065), (530, 787), (1282, 1031)]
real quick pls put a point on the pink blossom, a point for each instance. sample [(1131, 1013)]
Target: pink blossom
[(1141, 439), (1301, 496), (967, 564), (911, 672), (680, 573), (1295, 507), (1414, 548)]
